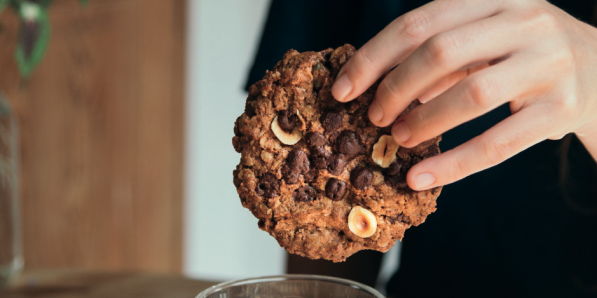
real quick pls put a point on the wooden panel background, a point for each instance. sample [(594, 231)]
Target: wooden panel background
[(101, 136)]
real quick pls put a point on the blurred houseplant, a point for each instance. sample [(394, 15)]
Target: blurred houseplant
[(31, 47), (34, 31)]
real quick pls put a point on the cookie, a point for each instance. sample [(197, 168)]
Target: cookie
[(320, 177)]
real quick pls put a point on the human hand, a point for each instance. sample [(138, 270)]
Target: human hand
[(464, 58)]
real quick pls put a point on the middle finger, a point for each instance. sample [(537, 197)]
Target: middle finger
[(519, 77), (441, 55)]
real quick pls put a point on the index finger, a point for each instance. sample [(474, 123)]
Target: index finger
[(401, 37)]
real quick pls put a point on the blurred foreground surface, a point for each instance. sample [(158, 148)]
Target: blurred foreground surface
[(81, 283)]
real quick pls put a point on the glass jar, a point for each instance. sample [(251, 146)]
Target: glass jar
[(11, 258), (291, 286)]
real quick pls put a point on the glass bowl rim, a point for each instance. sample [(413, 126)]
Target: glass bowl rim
[(283, 277)]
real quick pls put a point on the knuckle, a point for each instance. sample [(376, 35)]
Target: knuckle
[(458, 171), (442, 48), (567, 106), (421, 120), (541, 19), (389, 89), (364, 58), (496, 150), (416, 24), (562, 58), (480, 92)]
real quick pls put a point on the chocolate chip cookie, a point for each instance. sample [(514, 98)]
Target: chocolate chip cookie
[(319, 176)]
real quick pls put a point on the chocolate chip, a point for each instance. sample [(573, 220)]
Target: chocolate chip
[(336, 164), (315, 139), (348, 143), (268, 186), (394, 168), (304, 194), (332, 121), (290, 175), (249, 110), (320, 152), (361, 177), (397, 181), (286, 120), (396, 174), (335, 189), (299, 160), (320, 163), (310, 176)]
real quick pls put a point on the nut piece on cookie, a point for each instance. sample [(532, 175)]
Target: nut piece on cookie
[(362, 222), (384, 151), (285, 137)]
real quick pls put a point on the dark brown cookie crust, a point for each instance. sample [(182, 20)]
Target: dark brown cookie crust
[(302, 194)]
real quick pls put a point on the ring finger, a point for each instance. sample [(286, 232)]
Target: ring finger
[(441, 55), (395, 42), (518, 77)]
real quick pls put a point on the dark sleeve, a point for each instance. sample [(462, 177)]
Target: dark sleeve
[(314, 25), (583, 10)]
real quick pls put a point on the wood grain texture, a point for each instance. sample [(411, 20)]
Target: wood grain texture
[(90, 284), (101, 136)]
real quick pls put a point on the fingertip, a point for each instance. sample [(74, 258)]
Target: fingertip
[(421, 181), (401, 132), (375, 113), (342, 87)]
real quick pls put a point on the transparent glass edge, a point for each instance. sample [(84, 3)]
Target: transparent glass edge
[(6, 109), (16, 198), (240, 282)]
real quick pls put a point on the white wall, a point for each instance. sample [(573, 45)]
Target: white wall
[(221, 238)]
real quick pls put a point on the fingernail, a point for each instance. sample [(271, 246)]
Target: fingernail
[(400, 132), (423, 180), (342, 87), (375, 112)]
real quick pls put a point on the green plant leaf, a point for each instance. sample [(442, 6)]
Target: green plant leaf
[(3, 4), (44, 3), (84, 2), (33, 39)]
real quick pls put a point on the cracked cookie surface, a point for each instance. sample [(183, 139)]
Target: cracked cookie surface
[(307, 160)]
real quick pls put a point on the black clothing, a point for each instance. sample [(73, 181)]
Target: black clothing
[(514, 230)]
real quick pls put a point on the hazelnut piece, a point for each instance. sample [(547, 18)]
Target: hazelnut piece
[(384, 151), (285, 137), (362, 222)]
